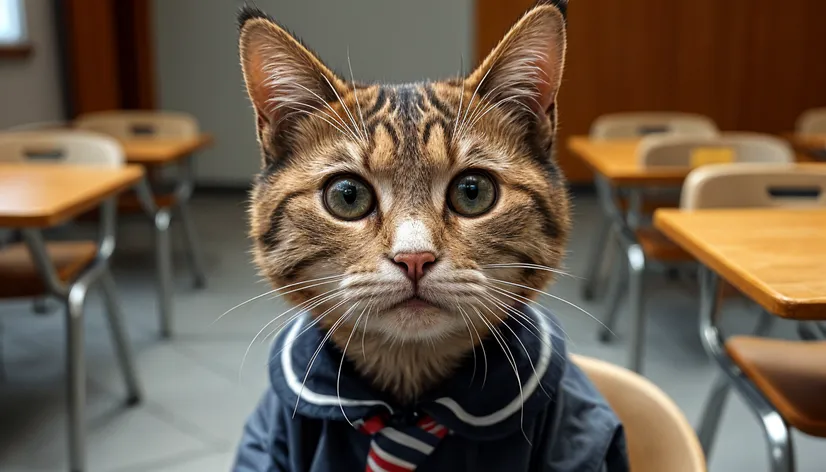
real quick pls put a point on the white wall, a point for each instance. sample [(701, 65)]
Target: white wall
[(30, 89), (389, 40)]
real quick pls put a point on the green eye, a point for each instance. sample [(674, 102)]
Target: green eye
[(472, 194), (348, 198)]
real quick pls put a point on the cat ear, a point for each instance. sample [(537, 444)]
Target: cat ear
[(283, 77), (525, 68)]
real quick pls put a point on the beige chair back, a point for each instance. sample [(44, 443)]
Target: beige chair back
[(812, 121), (658, 434), (131, 124), (754, 186), (638, 124), (690, 151), (41, 126), (71, 147)]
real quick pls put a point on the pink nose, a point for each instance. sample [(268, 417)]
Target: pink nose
[(414, 263)]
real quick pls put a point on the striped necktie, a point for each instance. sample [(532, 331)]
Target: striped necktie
[(400, 448)]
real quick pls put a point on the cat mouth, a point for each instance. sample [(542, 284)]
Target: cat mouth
[(415, 303)]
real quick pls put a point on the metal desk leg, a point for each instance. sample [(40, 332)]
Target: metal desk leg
[(118, 333), (595, 258), (636, 271), (163, 266), (193, 247), (778, 436), (163, 256), (618, 289), (75, 360)]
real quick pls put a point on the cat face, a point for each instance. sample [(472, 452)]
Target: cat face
[(417, 211)]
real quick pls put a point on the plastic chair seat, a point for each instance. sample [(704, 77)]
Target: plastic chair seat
[(791, 374), (19, 276)]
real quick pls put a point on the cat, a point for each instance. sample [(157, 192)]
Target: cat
[(411, 226)]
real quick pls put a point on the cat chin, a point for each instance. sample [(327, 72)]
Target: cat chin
[(416, 324)]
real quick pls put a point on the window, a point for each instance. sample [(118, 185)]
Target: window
[(12, 25)]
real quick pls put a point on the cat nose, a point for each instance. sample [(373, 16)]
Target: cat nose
[(414, 264)]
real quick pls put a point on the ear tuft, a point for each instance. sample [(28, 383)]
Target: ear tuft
[(248, 12), (524, 71)]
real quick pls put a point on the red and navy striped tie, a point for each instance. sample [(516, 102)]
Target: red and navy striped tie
[(400, 449)]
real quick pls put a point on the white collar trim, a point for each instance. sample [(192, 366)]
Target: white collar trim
[(528, 388), (305, 393)]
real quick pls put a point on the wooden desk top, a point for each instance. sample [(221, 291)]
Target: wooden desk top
[(41, 195), (775, 256), (155, 151), (616, 160)]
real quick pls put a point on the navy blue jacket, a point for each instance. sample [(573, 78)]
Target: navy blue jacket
[(556, 422)]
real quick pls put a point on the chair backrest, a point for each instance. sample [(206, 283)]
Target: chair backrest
[(71, 147), (812, 121), (658, 434), (690, 151), (41, 126), (638, 124), (144, 124), (754, 186)]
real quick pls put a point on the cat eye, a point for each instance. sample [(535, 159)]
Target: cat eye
[(471, 194), (348, 198)]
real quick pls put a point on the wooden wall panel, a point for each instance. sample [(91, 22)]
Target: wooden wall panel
[(108, 54), (748, 64)]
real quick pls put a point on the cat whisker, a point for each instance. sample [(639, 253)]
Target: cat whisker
[(470, 102), (355, 94), (364, 330), (341, 364), (321, 344), (472, 343), (461, 98), (497, 335), (341, 120), (498, 304), (481, 344), (323, 115), (329, 279), (310, 325), (519, 317), (513, 296), (555, 298), (346, 110), (326, 296), (521, 265)]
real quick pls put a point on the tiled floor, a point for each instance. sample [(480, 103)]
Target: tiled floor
[(197, 396)]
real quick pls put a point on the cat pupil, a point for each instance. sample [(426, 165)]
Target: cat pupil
[(349, 193), (471, 189)]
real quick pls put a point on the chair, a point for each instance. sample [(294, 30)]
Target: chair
[(68, 269), (783, 382), (157, 125), (636, 125), (659, 436), (812, 121), (643, 245)]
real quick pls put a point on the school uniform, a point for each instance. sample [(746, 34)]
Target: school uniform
[(478, 420)]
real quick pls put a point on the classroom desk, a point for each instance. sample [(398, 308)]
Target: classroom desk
[(36, 196), (162, 151), (777, 257), (617, 161), (154, 153)]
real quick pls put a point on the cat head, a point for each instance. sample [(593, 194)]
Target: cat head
[(422, 207)]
